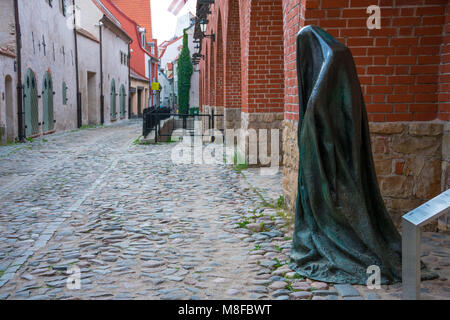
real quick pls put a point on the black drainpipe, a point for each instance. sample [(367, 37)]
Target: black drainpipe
[(102, 97), (79, 112), (20, 113)]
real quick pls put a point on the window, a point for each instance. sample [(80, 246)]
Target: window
[(63, 7), (124, 58)]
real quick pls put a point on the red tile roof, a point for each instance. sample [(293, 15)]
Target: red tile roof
[(139, 11)]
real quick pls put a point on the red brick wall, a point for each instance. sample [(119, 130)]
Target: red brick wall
[(233, 57), (261, 81), (404, 68), (293, 16), (219, 72), (265, 58), (398, 65), (212, 76)]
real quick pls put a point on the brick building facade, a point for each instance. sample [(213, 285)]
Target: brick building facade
[(249, 72)]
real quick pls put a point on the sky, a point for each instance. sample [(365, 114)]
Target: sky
[(163, 21)]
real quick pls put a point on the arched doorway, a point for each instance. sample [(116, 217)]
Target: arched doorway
[(122, 101), (212, 78), (47, 100), (10, 132), (233, 84), (31, 104), (113, 112), (219, 66), (206, 89)]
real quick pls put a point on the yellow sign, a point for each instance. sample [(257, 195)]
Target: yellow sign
[(155, 85)]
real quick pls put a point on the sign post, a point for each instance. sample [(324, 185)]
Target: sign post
[(411, 234)]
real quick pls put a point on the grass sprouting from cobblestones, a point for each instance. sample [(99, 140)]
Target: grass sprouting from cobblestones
[(239, 163), (92, 126), (13, 143), (243, 224), (173, 140), (257, 247)]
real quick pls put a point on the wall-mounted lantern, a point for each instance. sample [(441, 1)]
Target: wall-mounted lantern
[(203, 26)]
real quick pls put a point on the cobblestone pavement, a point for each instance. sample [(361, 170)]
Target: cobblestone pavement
[(140, 227)]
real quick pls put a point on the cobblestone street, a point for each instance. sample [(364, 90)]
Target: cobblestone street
[(136, 225), (140, 227)]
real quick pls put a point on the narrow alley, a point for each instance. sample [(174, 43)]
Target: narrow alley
[(137, 226)]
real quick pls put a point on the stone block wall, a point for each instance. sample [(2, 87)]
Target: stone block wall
[(408, 160), (412, 162), (290, 163), (444, 222), (232, 118), (267, 121)]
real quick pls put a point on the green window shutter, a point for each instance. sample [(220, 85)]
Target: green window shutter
[(63, 5), (64, 93)]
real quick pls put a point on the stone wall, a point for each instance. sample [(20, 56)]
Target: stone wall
[(444, 222), (290, 163), (257, 121), (232, 118), (408, 163), (411, 161)]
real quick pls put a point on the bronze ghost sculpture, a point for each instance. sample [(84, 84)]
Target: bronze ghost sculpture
[(341, 223)]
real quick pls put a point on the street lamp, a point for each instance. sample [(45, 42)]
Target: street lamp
[(203, 26)]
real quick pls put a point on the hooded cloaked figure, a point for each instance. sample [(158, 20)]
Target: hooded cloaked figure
[(341, 224)]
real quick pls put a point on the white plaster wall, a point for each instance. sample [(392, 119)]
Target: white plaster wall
[(7, 69), (183, 22), (147, 67), (195, 80), (89, 16), (89, 56), (89, 61), (38, 18), (166, 89), (7, 43), (113, 69), (171, 53), (7, 26)]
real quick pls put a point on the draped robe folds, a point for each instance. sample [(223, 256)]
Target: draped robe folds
[(341, 224)]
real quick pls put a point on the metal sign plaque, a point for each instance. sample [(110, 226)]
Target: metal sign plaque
[(431, 210)]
